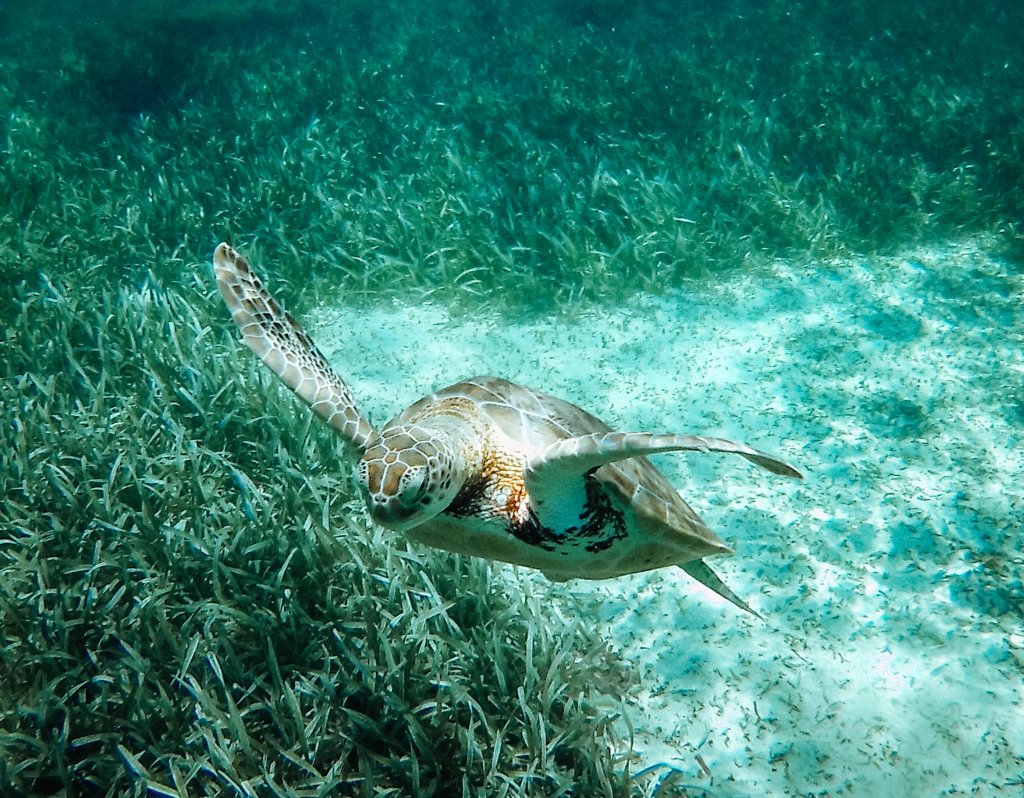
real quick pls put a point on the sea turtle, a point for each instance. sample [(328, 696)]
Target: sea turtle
[(493, 469)]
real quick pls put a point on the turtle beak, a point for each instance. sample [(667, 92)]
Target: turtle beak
[(390, 513)]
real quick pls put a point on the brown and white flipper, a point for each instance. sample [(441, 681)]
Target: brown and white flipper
[(581, 454), (281, 343)]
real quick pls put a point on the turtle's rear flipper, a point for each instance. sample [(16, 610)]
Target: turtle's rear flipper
[(702, 572)]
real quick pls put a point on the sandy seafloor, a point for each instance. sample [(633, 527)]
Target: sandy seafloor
[(891, 661)]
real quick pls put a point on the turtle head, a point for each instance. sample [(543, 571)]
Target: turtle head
[(409, 474)]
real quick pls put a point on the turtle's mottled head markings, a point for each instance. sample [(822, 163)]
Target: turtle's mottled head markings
[(409, 474)]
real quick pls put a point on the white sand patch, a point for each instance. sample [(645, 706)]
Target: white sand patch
[(892, 662)]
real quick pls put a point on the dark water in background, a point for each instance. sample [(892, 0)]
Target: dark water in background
[(794, 223), (676, 139)]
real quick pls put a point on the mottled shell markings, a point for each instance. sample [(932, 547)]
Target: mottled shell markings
[(489, 468)]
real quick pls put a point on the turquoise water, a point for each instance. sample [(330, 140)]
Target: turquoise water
[(792, 224)]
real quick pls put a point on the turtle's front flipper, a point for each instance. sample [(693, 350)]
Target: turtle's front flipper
[(554, 476), (279, 341), (586, 452), (702, 572)]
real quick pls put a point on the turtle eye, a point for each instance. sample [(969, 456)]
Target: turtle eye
[(412, 486)]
